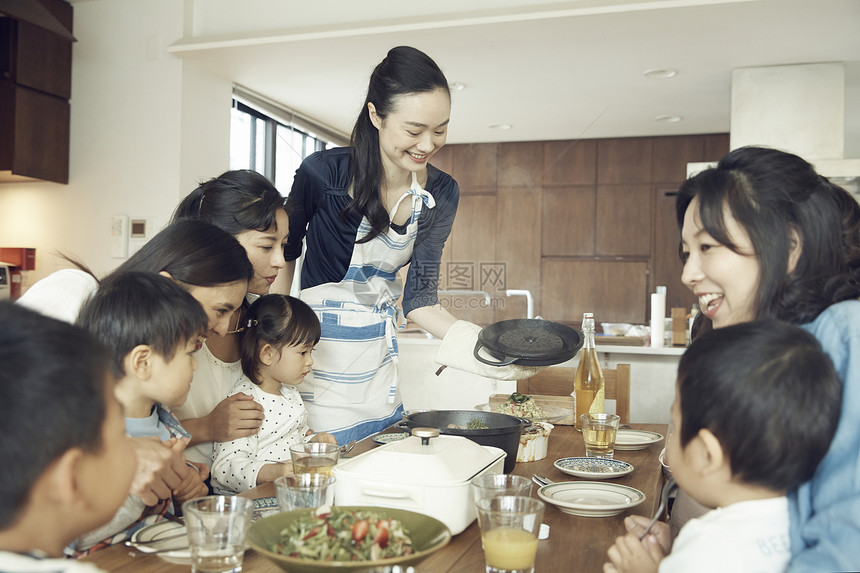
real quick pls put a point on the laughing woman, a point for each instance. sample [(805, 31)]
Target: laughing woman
[(365, 211), (765, 237)]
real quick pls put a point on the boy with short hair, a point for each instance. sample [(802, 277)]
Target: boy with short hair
[(756, 407), (66, 462), (152, 327)]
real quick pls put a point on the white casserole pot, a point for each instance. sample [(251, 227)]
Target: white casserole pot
[(431, 478)]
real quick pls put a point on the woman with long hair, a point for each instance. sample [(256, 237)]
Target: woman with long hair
[(364, 212)]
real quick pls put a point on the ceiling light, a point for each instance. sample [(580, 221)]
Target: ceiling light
[(501, 126), (457, 87), (660, 73), (668, 118)]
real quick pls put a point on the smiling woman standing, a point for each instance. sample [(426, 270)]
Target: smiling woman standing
[(364, 212)]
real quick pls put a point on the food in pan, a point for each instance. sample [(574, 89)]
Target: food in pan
[(522, 406), (472, 424)]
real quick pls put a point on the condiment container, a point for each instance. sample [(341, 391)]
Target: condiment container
[(534, 442), (431, 478)]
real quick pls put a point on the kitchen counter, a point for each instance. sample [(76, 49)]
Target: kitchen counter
[(643, 350), (652, 371)]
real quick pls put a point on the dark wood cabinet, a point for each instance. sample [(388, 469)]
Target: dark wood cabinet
[(623, 220), (585, 225), (613, 290), (625, 160), (667, 262), (570, 162), (518, 249), (568, 222), (35, 87), (474, 166)]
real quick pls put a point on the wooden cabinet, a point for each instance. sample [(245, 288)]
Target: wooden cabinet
[(614, 291), (623, 220), (585, 225), (518, 247), (667, 237), (570, 162), (626, 160), (567, 228), (35, 87), (475, 167)]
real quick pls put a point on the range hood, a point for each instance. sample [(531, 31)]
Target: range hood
[(796, 108)]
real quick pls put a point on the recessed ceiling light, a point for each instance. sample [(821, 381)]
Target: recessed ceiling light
[(668, 118), (501, 126), (660, 73), (457, 87)]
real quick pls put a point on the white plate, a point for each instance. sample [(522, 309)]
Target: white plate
[(552, 413), (386, 438), (163, 530), (627, 440), (591, 498), (593, 468)]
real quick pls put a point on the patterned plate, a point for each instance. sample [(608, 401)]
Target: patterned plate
[(388, 437), (593, 468)]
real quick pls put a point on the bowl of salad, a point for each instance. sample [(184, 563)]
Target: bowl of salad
[(346, 538)]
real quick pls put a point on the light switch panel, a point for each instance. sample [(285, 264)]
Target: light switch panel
[(119, 236)]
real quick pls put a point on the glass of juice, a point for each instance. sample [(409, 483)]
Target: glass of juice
[(509, 532), (599, 432), (314, 458)]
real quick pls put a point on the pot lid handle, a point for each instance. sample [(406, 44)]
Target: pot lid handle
[(476, 352), (425, 434)]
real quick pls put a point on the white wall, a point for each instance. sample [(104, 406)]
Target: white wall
[(146, 127)]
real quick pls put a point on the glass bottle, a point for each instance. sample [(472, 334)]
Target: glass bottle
[(589, 386)]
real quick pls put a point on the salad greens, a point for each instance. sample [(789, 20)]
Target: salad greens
[(336, 534)]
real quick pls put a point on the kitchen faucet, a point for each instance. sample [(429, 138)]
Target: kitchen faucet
[(530, 303)]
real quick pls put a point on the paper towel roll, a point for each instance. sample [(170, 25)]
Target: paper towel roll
[(658, 317)]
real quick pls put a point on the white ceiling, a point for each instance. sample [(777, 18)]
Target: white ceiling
[(566, 70)]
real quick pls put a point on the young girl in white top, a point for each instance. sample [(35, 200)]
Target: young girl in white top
[(277, 341)]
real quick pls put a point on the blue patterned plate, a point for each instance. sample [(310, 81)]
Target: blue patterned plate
[(593, 468)]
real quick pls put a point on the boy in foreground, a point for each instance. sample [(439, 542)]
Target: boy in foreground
[(67, 465), (152, 327), (755, 409)]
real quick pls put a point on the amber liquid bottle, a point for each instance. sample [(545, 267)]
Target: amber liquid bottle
[(589, 386)]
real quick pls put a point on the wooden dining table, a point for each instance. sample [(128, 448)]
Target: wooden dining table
[(574, 543)]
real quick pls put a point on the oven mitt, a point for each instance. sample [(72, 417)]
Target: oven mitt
[(457, 351)]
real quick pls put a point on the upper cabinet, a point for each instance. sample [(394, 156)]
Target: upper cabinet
[(35, 87)]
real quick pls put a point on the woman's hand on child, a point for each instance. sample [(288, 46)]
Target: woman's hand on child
[(325, 438), (237, 416), (159, 468), (192, 483), (630, 555), (636, 525)]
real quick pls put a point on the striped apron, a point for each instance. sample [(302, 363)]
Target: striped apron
[(352, 388)]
